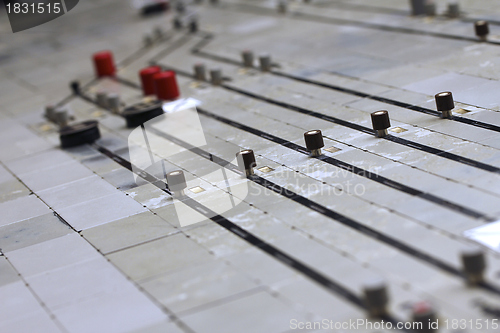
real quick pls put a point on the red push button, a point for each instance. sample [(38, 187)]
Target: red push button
[(166, 85), (104, 64), (147, 79)]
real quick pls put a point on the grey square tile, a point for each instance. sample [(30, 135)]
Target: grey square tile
[(79, 282), (101, 210), (76, 192), (21, 209), (38, 162), (111, 313), (259, 312), (32, 231), (260, 266), (159, 257), (127, 232), (52, 254), (194, 288), (39, 180)]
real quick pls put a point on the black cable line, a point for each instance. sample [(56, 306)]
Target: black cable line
[(353, 169), (323, 210), (399, 140), (204, 54), (345, 166), (277, 254)]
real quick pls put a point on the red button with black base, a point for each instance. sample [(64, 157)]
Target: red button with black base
[(166, 85), (147, 79), (104, 64)]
